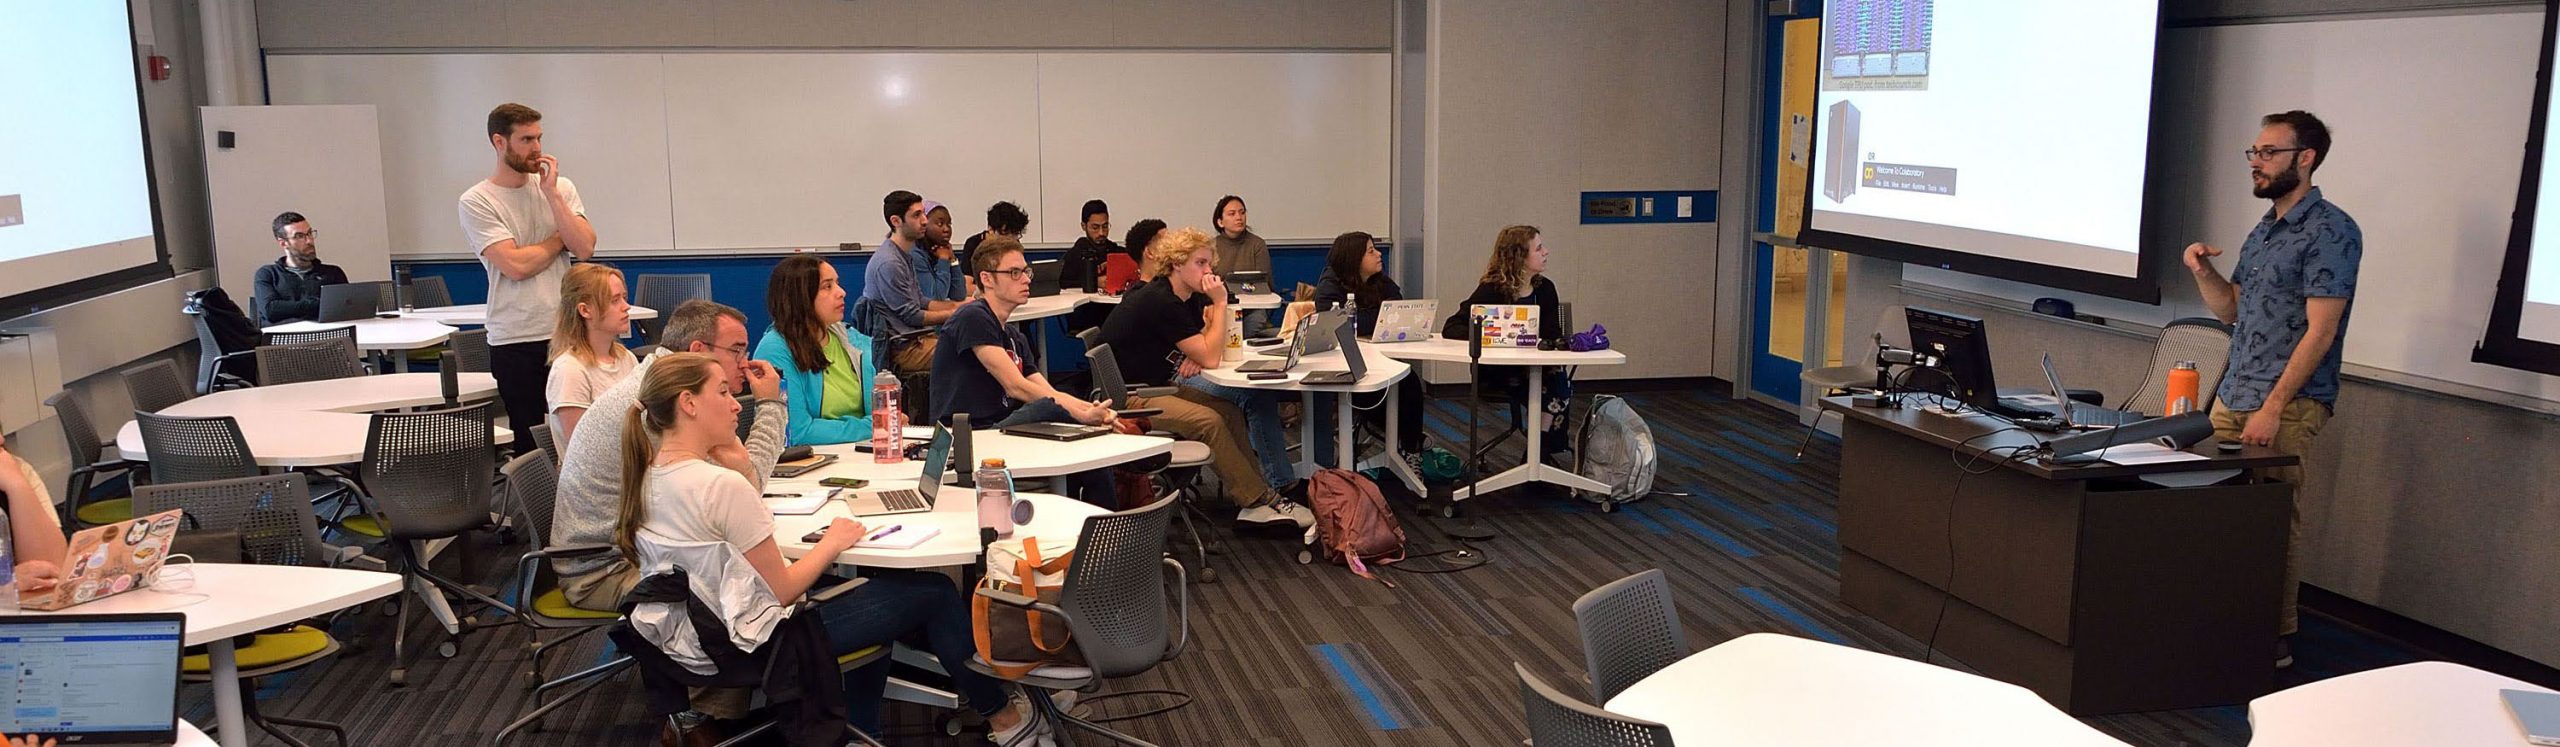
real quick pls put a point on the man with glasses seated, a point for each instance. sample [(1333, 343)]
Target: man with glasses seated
[(989, 370), (289, 289), (589, 497)]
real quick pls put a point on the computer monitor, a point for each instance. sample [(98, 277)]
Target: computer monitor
[(1955, 354), (93, 678)]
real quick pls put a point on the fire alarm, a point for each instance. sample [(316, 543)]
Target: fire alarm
[(158, 67)]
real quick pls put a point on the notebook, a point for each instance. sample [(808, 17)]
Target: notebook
[(905, 538), (800, 503), (2538, 713)]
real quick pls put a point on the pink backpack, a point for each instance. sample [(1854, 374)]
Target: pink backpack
[(1353, 523)]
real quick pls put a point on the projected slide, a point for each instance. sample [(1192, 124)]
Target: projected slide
[(75, 191), (2013, 129), (2540, 320)]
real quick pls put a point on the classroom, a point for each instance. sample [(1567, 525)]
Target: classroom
[(1279, 372)]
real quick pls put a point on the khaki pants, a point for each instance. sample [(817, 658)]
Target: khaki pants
[(915, 356), (2299, 422), (1210, 420), (603, 590)]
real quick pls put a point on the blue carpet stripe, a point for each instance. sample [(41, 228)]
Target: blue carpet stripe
[(1755, 445), (1640, 514), (1719, 539), (1772, 473), (1748, 519), (1789, 614), (1360, 677), (1809, 519)]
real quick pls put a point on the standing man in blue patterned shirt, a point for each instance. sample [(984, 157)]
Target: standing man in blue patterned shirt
[(2287, 302)]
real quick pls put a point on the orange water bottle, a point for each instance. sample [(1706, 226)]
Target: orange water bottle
[(2182, 388)]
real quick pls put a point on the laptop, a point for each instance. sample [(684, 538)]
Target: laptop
[(347, 302), (1322, 328), (1248, 281), (2538, 713), (904, 501), (93, 679), (2073, 413), (1350, 357), (1044, 277), (1407, 321), (1297, 344), (1055, 431), (1506, 325), (108, 560)]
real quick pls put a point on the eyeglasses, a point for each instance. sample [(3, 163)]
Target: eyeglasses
[(2262, 154), (1013, 273), (311, 234)]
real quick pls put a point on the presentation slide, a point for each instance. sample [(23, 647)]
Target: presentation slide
[(75, 190), (2540, 320), (2016, 129)]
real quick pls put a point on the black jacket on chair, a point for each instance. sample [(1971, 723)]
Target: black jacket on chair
[(282, 295), (793, 667)]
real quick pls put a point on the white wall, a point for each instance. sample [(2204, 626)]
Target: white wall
[(1534, 102)]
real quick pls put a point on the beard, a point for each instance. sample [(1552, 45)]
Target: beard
[(522, 165), (2279, 184)]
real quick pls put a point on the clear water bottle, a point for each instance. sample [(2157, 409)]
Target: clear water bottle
[(8, 571), (995, 497), (405, 290), (888, 431)]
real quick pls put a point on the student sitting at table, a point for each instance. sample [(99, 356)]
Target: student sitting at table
[(1355, 271), (1516, 274), (989, 371), (34, 532), (1134, 251), (1166, 332), (826, 366), (941, 277), (1003, 219), (587, 356), (675, 489)]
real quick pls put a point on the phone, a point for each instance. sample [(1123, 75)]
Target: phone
[(844, 482), (1262, 342), (1267, 375), (813, 537)]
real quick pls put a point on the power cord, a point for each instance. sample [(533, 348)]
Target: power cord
[(1967, 463)]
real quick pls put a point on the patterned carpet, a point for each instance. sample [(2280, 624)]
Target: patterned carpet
[(1284, 654)]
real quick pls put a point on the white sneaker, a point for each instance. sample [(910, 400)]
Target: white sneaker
[(1027, 733), (1278, 511)]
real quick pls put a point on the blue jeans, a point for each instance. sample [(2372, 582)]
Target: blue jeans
[(915, 607), (1096, 487), (1262, 426)]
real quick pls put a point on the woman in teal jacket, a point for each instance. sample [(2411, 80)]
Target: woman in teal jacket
[(826, 367)]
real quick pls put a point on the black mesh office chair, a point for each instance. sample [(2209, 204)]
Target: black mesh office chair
[(663, 293), (311, 361), (1113, 601), (155, 386), (1558, 720), (430, 475), (1630, 629), (272, 517), (91, 456)]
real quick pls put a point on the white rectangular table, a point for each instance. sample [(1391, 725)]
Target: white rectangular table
[(1771, 689), (1532, 468), (229, 600), (2426, 703)]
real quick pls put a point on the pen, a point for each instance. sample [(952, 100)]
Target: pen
[(893, 529)]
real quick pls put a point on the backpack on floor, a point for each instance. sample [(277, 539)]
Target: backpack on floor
[(1353, 523), (1615, 447)]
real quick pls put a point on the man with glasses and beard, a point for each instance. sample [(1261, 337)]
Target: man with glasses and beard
[(526, 223), (2287, 301), (289, 289)]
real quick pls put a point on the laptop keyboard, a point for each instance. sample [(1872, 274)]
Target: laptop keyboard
[(902, 500)]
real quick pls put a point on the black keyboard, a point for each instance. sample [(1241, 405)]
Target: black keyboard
[(2021, 412), (902, 500)]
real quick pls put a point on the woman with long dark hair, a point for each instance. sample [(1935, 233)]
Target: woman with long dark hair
[(825, 365)]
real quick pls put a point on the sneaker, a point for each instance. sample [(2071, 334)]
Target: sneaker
[(1278, 511), (1031, 731), (2284, 652)]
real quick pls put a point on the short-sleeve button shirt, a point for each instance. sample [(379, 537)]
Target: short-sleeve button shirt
[(2309, 252)]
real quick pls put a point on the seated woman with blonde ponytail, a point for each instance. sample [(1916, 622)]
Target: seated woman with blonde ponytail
[(676, 488)]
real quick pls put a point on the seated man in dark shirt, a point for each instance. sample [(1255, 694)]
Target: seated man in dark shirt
[(986, 369), (1086, 261), (289, 289)]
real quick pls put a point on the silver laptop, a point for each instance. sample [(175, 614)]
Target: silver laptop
[(2076, 415), (1407, 321), (347, 302), (1322, 329), (2538, 713), (1358, 366), (1297, 344), (92, 679), (896, 501)]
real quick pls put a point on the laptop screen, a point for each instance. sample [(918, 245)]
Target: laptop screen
[(106, 677), (935, 455)]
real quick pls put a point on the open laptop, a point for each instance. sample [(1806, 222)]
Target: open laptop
[(896, 501), (347, 302), (1244, 282), (1350, 357), (1297, 345), (2075, 414), (1044, 277), (1407, 321), (93, 679), (1322, 330), (108, 560)]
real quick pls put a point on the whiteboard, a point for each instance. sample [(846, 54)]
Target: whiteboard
[(2428, 116), (759, 150), (268, 170), (602, 114)]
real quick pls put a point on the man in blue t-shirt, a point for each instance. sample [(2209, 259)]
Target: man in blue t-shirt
[(2287, 303), (987, 368)]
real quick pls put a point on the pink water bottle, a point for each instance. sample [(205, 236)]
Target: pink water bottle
[(888, 437)]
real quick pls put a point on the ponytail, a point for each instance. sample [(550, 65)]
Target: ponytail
[(654, 412)]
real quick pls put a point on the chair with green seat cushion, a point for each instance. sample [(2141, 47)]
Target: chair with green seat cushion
[(272, 516), (533, 484), (90, 459)]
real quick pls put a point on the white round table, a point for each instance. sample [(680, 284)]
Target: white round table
[(241, 599), (1383, 372), (1055, 520), (2429, 702), (478, 314), (1043, 307), (1771, 689), (1244, 301), (314, 423), (1532, 469)]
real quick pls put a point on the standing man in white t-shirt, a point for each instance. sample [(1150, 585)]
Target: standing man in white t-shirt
[(526, 230)]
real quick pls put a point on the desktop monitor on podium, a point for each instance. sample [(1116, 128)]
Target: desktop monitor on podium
[(1954, 357)]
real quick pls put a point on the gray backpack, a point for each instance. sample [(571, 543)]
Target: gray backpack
[(1616, 448)]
